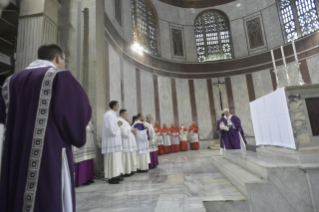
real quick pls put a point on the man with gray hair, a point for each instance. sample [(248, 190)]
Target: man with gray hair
[(231, 131), (152, 141)]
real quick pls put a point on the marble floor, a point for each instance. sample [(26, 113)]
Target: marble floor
[(181, 182)]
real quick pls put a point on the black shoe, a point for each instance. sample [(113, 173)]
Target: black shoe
[(126, 175), (113, 181), (142, 171), (87, 183), (132, 173), (119, 178), (91, 181)]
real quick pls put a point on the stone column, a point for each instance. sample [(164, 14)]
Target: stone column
[(39, 24)]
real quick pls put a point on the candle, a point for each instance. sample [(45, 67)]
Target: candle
[(294, 47), (283, 55), (273, 59)]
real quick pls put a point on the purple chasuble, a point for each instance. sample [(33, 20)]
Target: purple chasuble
[(44, 140), (231, 138)]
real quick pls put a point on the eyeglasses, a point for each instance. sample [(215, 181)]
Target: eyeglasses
[(65, 60)]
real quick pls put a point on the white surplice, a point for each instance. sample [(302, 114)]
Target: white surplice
[(112, 145), (193, 137), (175, 138), (153, 137), (183, 134), (129, 147), (86, 152), (167, 139), (143, 156)]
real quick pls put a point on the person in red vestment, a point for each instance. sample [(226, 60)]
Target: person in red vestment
[(193, 134), (167, 140), (174, 138), (160, 139), (183, 138)]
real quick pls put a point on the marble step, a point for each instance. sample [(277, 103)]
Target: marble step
[(256, 162), (237, 175), (230, 206)]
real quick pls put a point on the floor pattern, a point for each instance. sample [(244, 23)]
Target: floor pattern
[(181, 182)]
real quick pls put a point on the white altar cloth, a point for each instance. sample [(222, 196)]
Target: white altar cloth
[(271, 120)]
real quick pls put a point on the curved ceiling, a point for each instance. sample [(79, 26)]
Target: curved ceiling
[(195, 3)]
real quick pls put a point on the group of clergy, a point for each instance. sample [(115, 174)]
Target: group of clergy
[(175, 139), (134, 147)]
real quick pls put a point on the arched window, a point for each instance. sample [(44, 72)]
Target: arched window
[(212, 34), (144, 25), (298, 18)]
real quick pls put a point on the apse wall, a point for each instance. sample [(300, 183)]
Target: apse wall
[(140, 84), (238, 13)]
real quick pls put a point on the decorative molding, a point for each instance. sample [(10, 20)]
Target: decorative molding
[(248, 21), (171, 33)]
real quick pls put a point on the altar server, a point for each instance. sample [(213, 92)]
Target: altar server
[(152, 141), (112, 144), (45, 111), (193, 134), (129, 145), (167, 139), (142, 137), (182, 130), (83, 159), (174, 138), (160, 139), (231, 131)]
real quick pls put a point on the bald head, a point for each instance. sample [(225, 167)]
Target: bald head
[(157, 123), (172, 124), (193, 122), (164, 125)]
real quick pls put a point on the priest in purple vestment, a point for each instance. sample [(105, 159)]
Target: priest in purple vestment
[(232, 133), (45, 111)]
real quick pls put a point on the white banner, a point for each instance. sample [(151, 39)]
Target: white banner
[(271, 120)]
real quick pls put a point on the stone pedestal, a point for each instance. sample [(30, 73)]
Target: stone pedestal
[(39, 24)]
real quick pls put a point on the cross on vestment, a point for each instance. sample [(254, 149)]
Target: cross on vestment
[(219, 84)]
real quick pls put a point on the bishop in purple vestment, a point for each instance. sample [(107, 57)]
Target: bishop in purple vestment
[(232, 133), (46, 111)]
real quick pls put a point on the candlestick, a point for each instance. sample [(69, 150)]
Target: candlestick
[(295, 52), (283, 55), (285, 68), (297, 64), (273, 59), (275, 69)]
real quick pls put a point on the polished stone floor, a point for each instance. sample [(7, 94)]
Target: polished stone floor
[(181, 182)]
